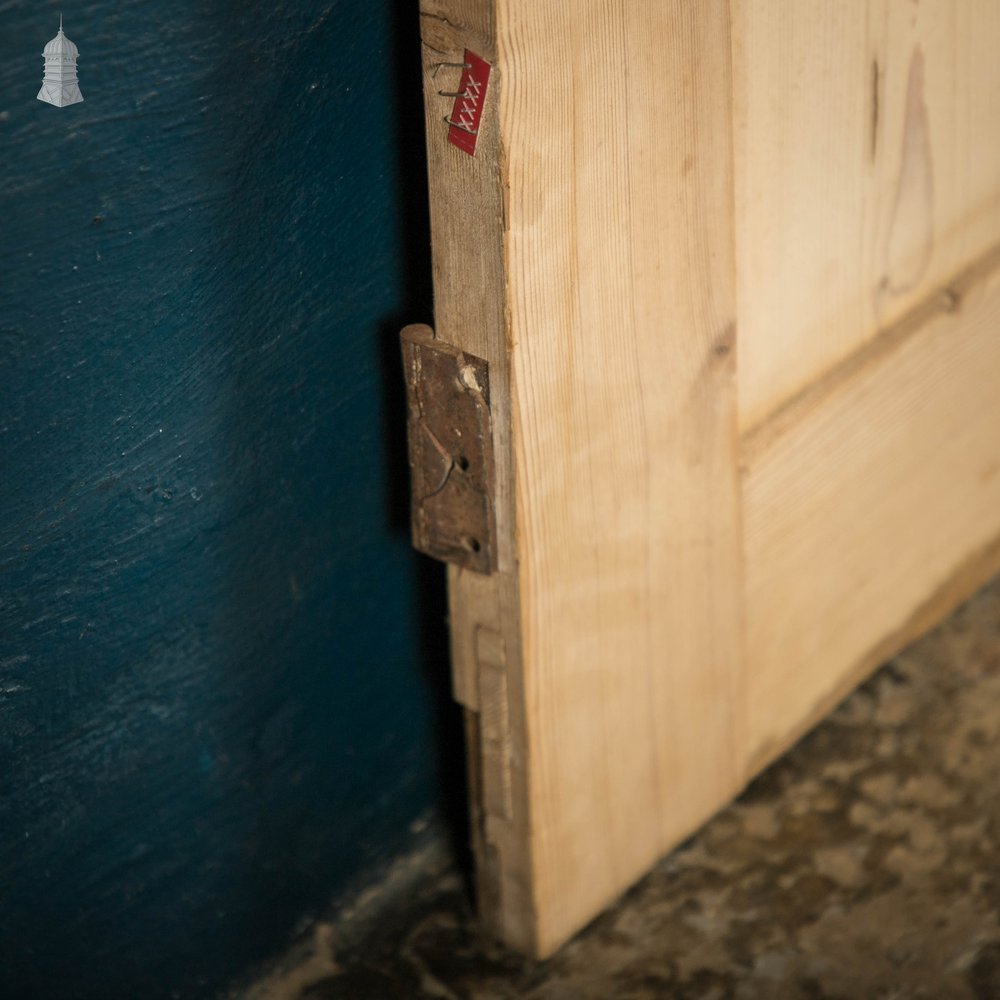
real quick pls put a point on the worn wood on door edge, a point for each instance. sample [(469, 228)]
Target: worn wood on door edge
[(466, 207)]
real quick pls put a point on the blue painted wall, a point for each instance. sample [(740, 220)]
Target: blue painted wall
[(215, 700)]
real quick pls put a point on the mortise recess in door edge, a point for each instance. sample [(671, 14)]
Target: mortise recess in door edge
[(467, 231)]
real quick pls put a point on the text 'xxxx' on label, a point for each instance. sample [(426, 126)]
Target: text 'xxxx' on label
[(463, 130)]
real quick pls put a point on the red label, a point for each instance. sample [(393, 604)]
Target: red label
[(468, 110)]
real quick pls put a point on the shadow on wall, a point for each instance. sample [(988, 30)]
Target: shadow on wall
[(224, 671), (413, 233), (334, 224)]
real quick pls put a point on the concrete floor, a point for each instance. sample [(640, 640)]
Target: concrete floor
[(865, 864)]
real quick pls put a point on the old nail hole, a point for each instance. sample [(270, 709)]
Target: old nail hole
[(463, 463), (472, 544)]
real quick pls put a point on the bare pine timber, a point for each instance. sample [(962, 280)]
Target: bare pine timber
[(872, 506), (616, 122), (867, 171), (734, 268), (611, 327), (867, 167)]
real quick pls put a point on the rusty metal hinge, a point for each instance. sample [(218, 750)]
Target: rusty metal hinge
[(451, 451)]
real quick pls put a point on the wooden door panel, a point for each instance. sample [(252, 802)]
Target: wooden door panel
[(872, 508), (737, 292), (866, 174)]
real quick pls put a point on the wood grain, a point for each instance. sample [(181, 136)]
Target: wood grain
[(735, 284), (867, 158), (616, 125), (872, 509)]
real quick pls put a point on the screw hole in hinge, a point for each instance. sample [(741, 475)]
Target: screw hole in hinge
[(472, 544), (463, 463)]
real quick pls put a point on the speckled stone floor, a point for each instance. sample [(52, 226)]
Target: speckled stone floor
[(865, 864)]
